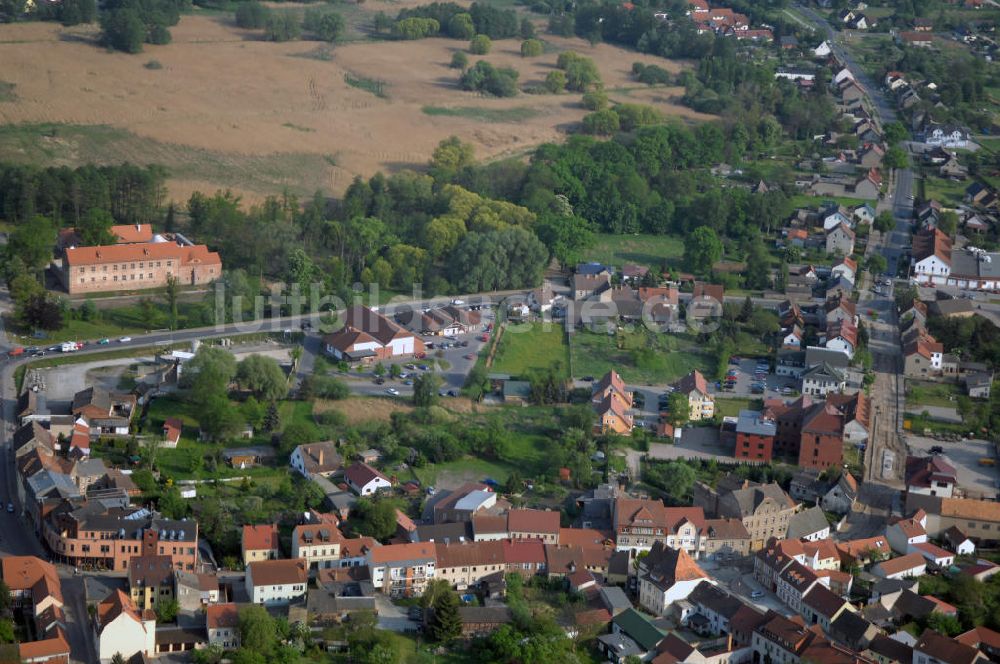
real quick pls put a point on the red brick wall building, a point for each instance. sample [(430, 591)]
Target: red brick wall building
[(754, 446), (822, 441), (126, 267)]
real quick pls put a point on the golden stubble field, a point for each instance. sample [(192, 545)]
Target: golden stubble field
[(227, 110)]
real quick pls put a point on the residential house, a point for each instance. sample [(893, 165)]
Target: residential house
[(935, 648), (700, 401), (587, 286), (781, 640), (903, 534), (222, 625), (823, 379), (978, 385), (533, 524), (930, 476), (982, 638), (316, 459), (792, 583), (318, 541), (466, 565), (755, 434), (910, 565), (638, 523), (612, 402), (150, 581), (716, 607), (841, 497), (810, 524), (821, 606), (122, 629), (106, 413), (368, 336), (260, 543), (845, 268), (365, 480), (764, 510), (922, 356), (404, 570), (632, 635), (277, 582), (666, 576), (194, 591), (446, 321), (932, 254), (959, 542), (172, 429), (840, 240), (886, 650)]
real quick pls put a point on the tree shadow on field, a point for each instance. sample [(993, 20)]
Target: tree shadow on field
[(392, 167), (77, 38), (448, 82)]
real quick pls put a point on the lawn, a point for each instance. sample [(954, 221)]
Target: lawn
[(643, 249), (468, 469), (488, 115), (112, 323), (640, 357), (807, 201), (534, 346), (732, 407), (945, 191), (931, 394)]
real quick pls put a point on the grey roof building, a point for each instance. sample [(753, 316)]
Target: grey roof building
[(753, 422), (809, 524)]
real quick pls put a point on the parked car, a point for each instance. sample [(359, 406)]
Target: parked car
[(392, 391), (937, 449)]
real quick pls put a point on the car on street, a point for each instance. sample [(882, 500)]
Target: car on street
[(104, 342), (937, 449), (125, 340), (392, 391), (407, 382), (469, 356), (10, 508), (756, 594), (379, 380), (423, 367)]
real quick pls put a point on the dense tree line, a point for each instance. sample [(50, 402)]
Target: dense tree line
[(131, 194), (461, 23), (128, 24)]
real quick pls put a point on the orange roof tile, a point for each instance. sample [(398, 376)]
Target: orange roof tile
[(120, 253)]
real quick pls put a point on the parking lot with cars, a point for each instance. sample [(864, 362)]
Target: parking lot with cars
[(974, 460), (753, 378)]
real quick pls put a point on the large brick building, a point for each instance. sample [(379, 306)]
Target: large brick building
[(126, 267)]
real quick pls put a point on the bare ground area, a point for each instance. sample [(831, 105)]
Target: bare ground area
[(227, 110)]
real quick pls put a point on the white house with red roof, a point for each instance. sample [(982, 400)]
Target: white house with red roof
[(172, 429), (368, 336), (904, 533), (666, 576), (365, 480)]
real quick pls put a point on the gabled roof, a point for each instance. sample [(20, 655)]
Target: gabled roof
[(319, 458), (533, 521), (798, 576), (185, 255), (807, 522), (823, 601), (114, 605), (221, 616), (931, 242), (891, 649), (260, 538), (398, 553), (360, 474), (668, 566), (694, 381), (923, 471), (944, 649), (280, 572), (902, 563), (640, 511), (980, 636), (639, 629)]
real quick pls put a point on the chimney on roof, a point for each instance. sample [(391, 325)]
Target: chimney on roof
[(321, 456)]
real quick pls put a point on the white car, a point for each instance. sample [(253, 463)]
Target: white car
[(125, 340), (392, 391)]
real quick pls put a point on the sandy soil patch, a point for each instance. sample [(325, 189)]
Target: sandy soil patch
[(223, 97), (362, 409)]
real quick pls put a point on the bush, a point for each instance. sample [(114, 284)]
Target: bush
[(152, 64), (484, 77), (327, 26), (459, 60), (480, 45), (581, 72), (651, 74), (637, 115), (460, 26), (531, 48), (602, 123), (281, 27), (595, 100), (415, 28), (251, 15), (555, 81)]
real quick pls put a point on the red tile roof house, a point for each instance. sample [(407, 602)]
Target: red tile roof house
[(368, 336), (172, 428), (222, 626), (260, 543), (940, 649), (983, 638), (365, 480), (277, 582), (402, 570), (793, 583), (534, 524)]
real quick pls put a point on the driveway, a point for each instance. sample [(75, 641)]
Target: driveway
[(392, 617), (695, 443)]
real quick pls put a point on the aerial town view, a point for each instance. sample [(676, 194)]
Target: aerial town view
[(499, 331)]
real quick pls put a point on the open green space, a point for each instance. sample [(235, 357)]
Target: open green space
[(640, 248), (945, 191), (112, 323), (493, 115), (535, 346), (931, 394), (807, 201), (732, 407), (471, 467), (76, 145), (639, 356)]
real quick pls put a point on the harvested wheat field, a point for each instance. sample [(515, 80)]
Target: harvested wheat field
[(223, 109)]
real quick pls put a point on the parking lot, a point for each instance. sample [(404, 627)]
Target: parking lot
[(768, 385), (977, 480)]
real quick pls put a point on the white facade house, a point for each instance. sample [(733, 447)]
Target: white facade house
[(667, 576), (836, 218), (931, 271), (121, 629), (904, 567), (822, 50), (948, 137), (365, 480), (844, 269), (276, 582), (903, 534)]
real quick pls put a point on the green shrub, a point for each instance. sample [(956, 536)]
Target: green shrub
[(415, 28), (480, 45), (602, 123), (531, 48), (555, 82), (484, 77), (595, 100), (459, 60), (251, 15)]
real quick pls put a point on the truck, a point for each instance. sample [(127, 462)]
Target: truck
[(69, 346)]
